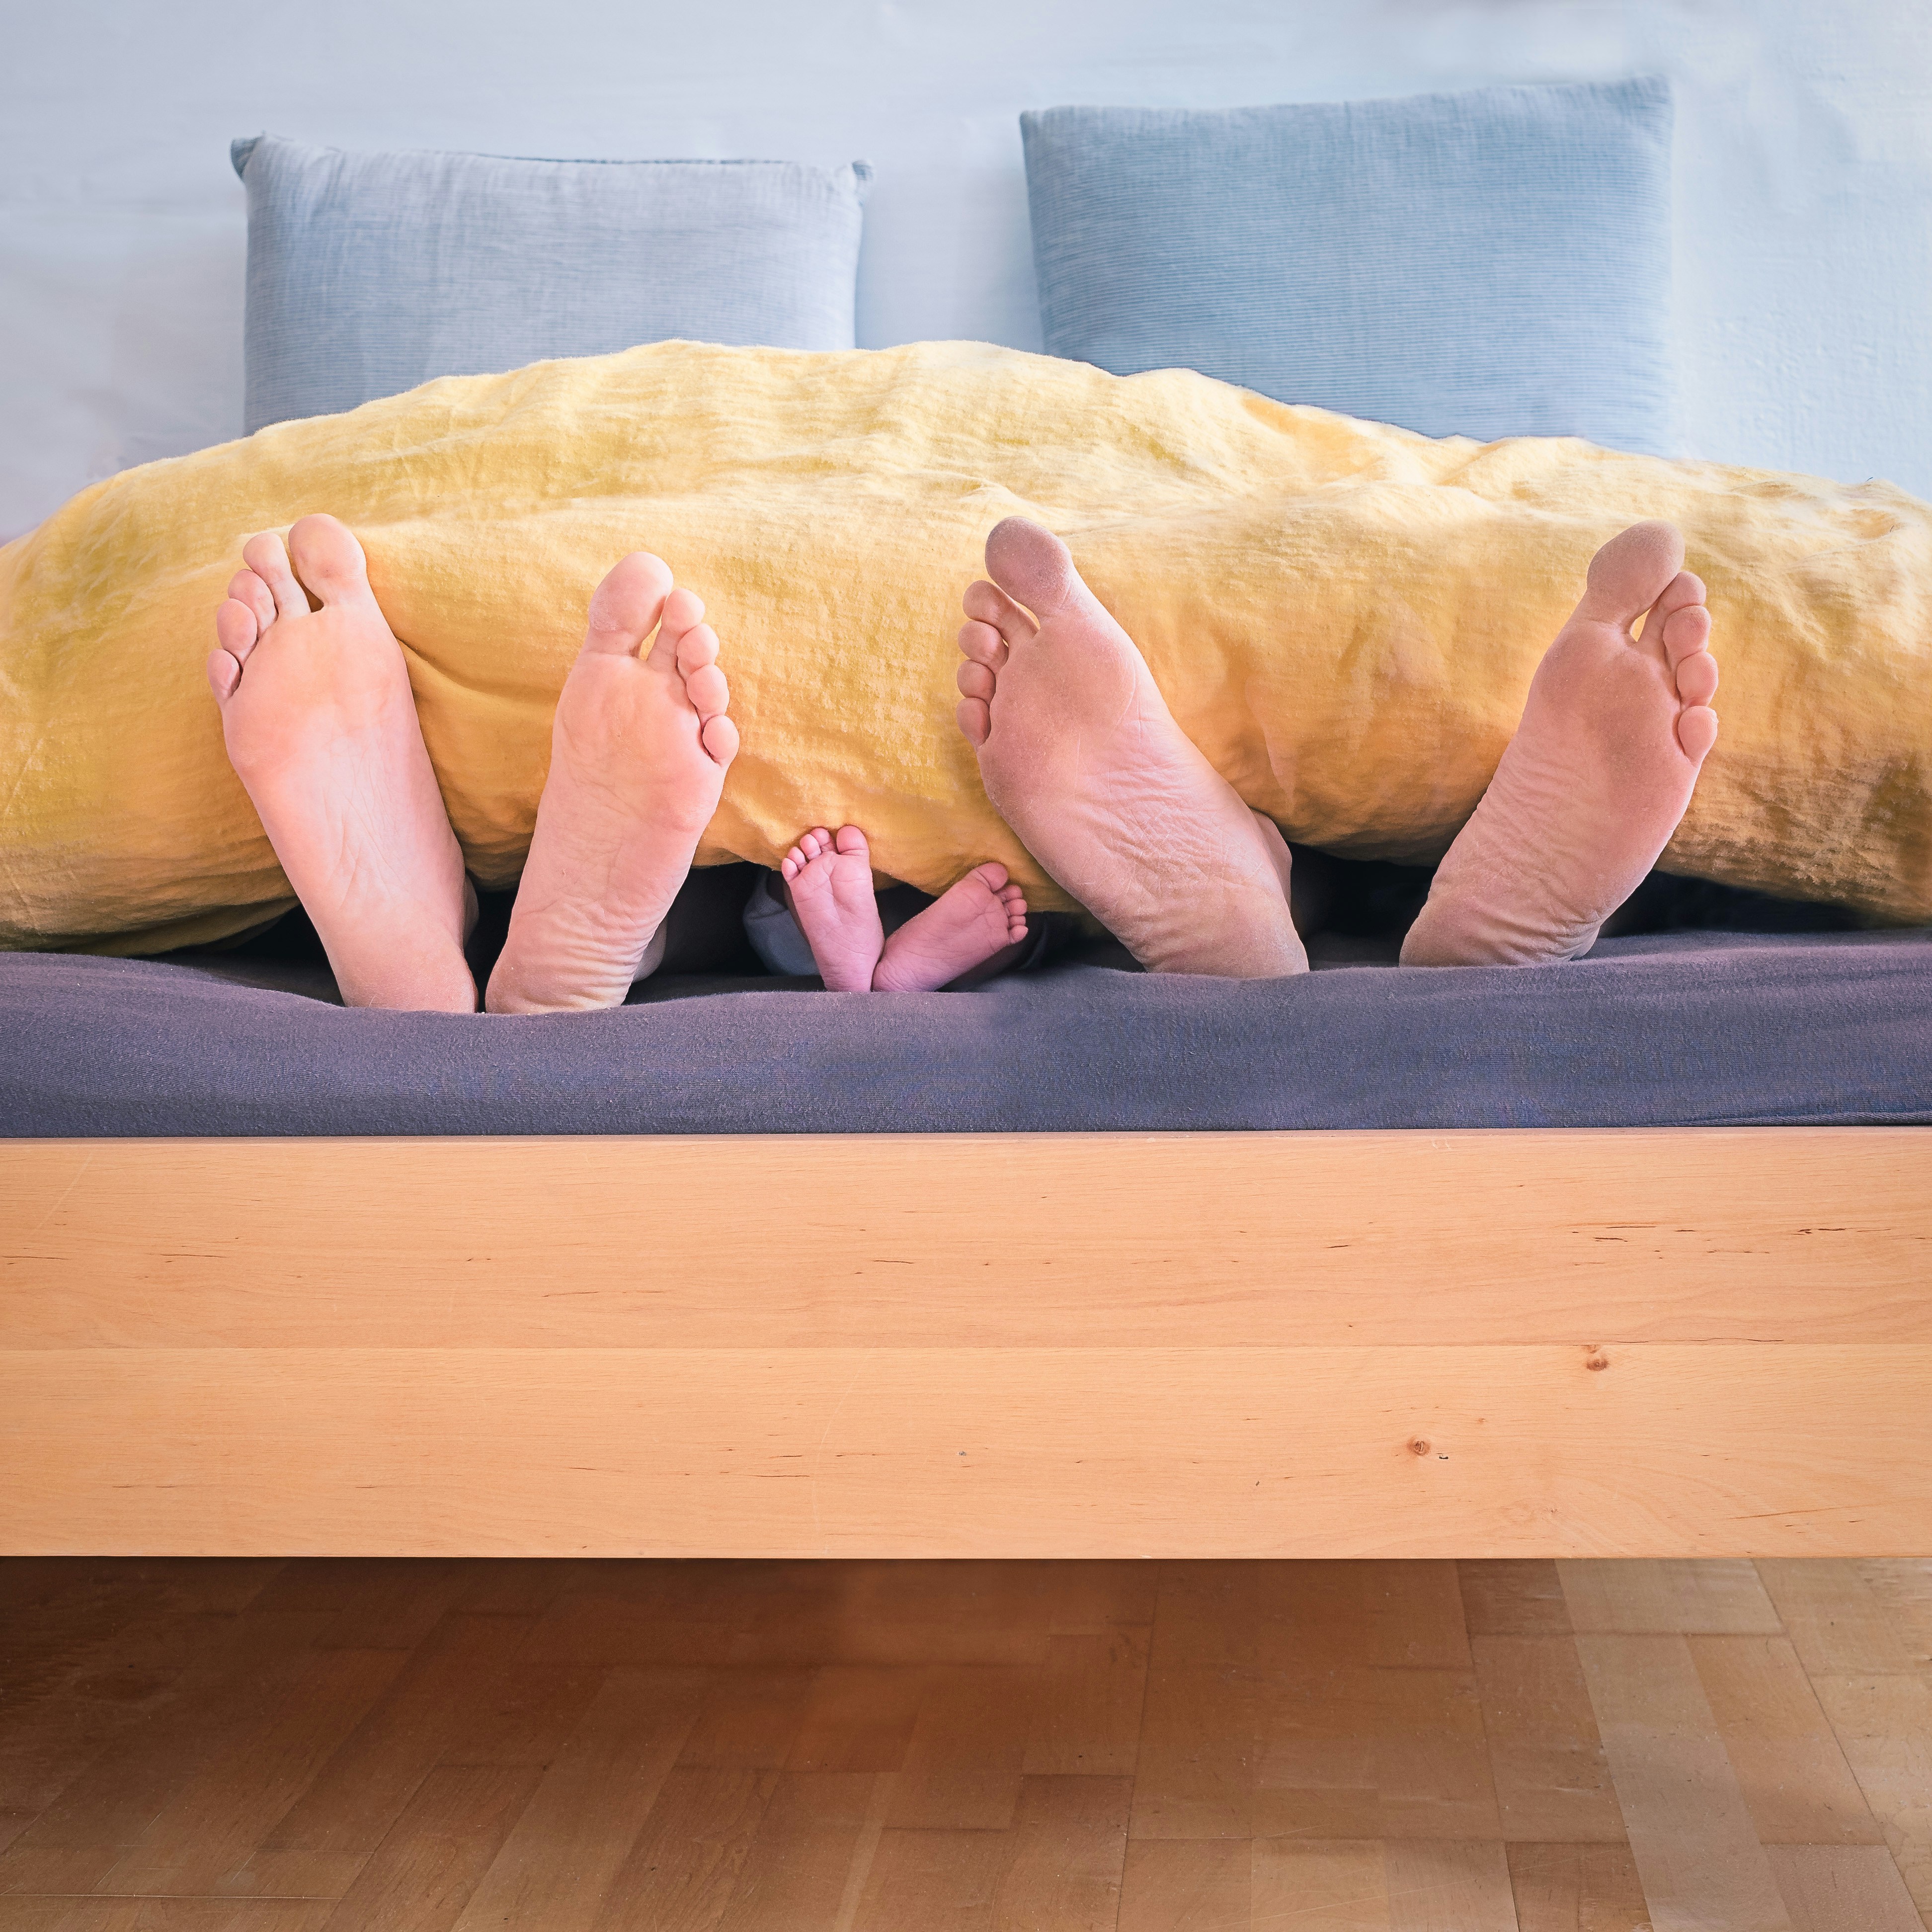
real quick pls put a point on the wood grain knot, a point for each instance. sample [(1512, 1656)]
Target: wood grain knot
[(1418, 1447)]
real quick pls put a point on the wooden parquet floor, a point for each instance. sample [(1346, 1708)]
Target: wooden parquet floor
[(1512, 1747)]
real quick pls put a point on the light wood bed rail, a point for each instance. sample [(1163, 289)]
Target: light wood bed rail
[(1654, 1342)]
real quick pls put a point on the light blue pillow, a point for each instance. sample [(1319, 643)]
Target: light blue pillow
[(370, 273), (1490, 264)]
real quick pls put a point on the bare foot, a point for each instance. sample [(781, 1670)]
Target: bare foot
[(321, 728), (974, 918), (830, 881), (638, 752), (1615, 731), (1080, 755)]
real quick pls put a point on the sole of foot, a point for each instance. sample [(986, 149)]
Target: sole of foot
[(639, 750), (321, 727), (829, 876), (1080, 756), (1615, 729), (974, 919)]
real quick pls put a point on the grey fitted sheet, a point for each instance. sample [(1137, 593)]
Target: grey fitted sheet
[(1678, 1028)]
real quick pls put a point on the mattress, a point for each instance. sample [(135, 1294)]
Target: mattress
[(1674, 1028)]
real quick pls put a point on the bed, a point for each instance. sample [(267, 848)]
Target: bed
[(1064, 1266), (1627, 1258)]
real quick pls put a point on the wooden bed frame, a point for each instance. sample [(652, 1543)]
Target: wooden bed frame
[(1658, 1342)]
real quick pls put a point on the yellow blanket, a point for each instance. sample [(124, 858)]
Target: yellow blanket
[(1345, 617)]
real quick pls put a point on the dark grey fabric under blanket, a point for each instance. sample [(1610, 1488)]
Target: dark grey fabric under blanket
[(1678, 1029)]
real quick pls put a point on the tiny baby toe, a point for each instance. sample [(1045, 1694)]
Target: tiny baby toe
[(851, 839), (992, 874), (975, 680)]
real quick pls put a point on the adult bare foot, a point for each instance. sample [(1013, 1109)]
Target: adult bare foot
[(974, 918), (321, 728), (638, 753), (1080, 755), (830, 881), (1615, 731)]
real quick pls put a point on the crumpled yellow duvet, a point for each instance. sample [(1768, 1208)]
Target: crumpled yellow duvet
[(1344, 616)]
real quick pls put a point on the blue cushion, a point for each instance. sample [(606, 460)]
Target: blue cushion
[(370, 273), (1489, 264)]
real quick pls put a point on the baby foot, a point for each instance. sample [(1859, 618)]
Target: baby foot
[(1615, 731), (832, 897), (321, 728), (980, 915), (1080, 755), (638, 754)]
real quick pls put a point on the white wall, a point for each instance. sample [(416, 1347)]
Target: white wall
[(1802, 269)]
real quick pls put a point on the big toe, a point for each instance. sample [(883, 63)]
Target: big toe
[(328, 558), (626, 606), (1632, 570), (1030, 564)]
